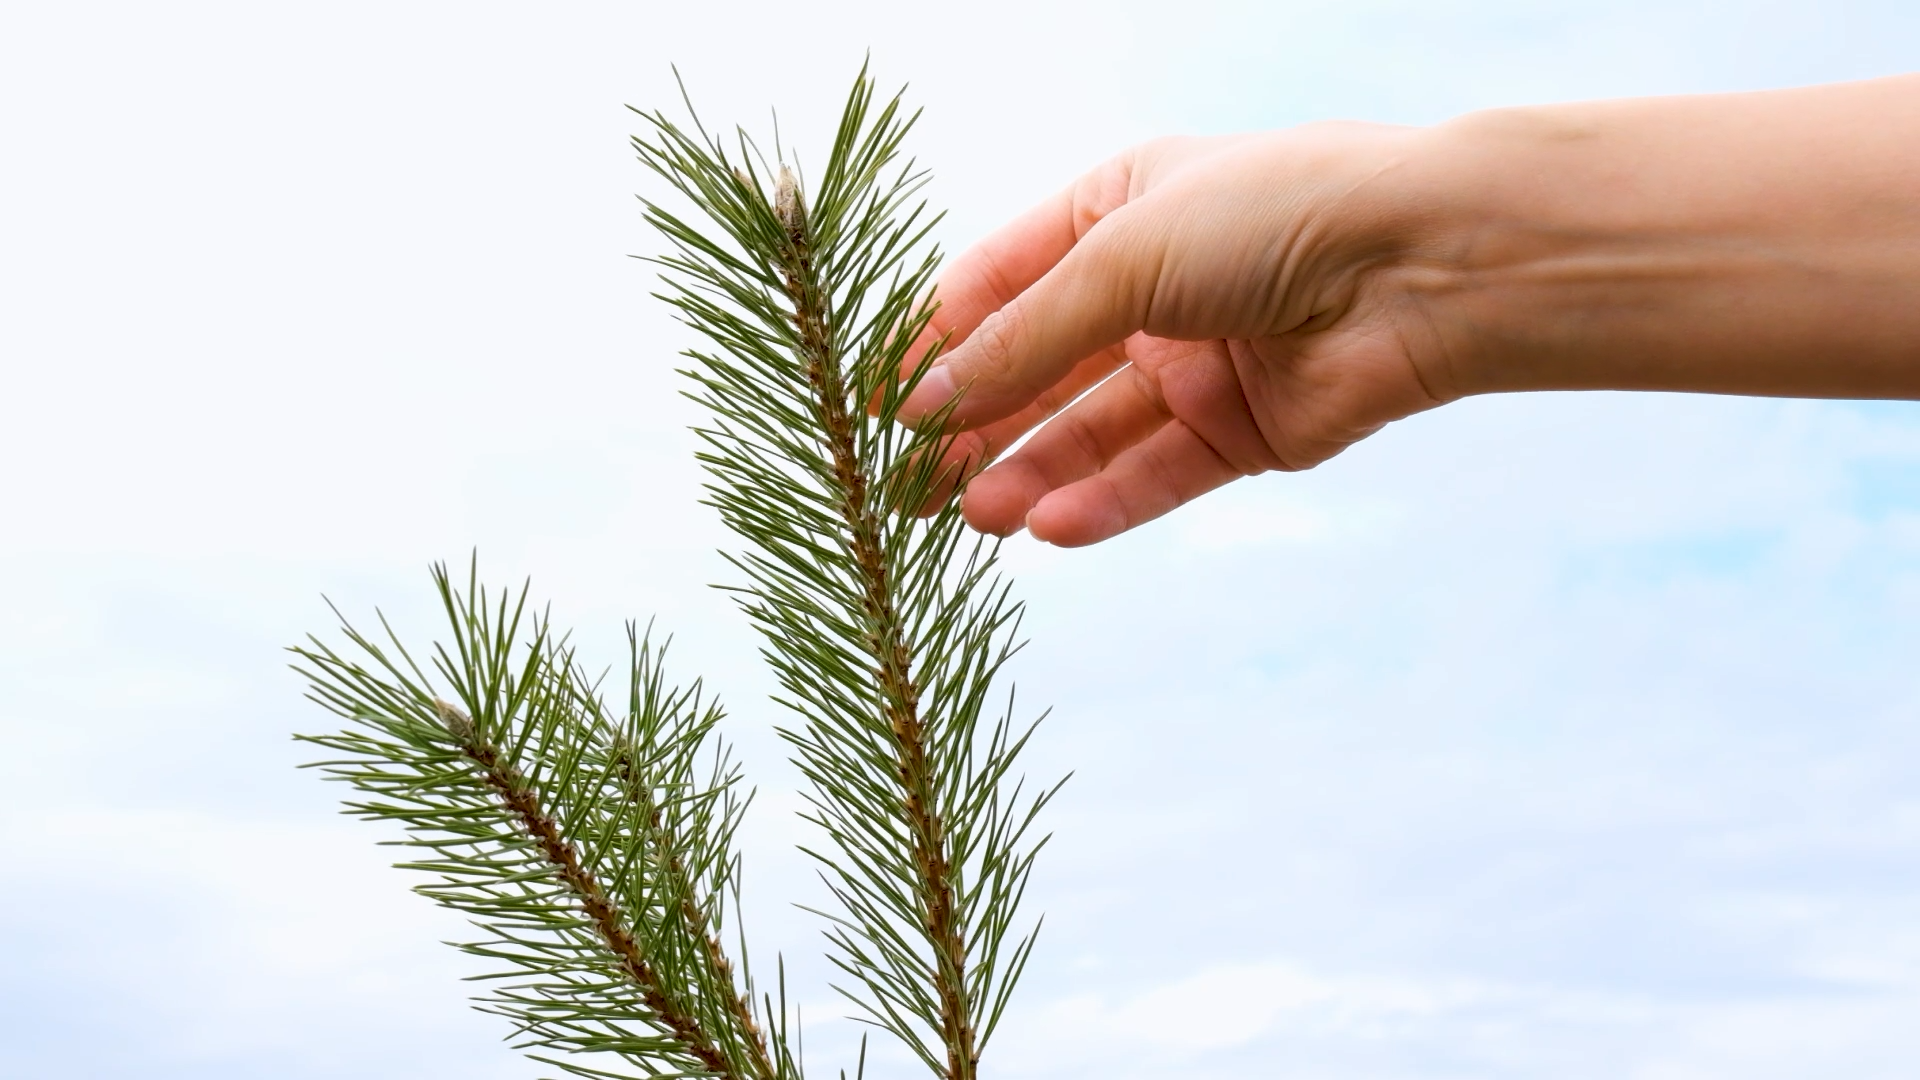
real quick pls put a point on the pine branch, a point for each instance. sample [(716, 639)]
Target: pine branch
[(589, 847), (885, 629)]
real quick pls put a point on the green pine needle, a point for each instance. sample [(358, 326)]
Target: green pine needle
[(592, 846), (885, 628)]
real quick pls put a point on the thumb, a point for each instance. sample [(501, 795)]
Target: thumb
[(1096, 296)]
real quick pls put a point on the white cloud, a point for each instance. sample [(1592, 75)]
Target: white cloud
[(1230, 1006), (1280, 1019)]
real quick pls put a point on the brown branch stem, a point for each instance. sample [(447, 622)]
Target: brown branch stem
[(518, 796), (942, 921), (720, 968)]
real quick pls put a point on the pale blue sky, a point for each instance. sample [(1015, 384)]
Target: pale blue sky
[(1553, 735)]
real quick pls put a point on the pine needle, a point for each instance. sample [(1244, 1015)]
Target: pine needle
[(592, 847), (886, 629)]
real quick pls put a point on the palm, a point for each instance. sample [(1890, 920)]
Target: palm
[(1176, 419)]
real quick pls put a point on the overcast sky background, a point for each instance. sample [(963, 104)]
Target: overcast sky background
[(1549, 735)]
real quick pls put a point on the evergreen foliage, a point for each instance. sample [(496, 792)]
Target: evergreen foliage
[(885, 628), (591, 845)]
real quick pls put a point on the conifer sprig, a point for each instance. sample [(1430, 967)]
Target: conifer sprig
[(885, 629), (593, 847)]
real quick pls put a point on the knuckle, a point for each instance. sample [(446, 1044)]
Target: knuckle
[(993, 272), (1146, 386), (1125, 257), (995, 347), (1103, 191), (1164, 479), (1085, 442)]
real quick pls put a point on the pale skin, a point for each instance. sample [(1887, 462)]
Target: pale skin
[(1252, 303)]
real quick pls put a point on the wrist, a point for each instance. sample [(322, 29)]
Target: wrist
[(1536, 242), (1750, 243)]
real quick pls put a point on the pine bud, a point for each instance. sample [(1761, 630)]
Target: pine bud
[(788, 205), (457, 722)]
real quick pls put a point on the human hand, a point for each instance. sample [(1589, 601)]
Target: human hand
[(1247, 300), (1262, 302)]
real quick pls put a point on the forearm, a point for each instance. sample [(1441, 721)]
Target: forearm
[(1750, 243)]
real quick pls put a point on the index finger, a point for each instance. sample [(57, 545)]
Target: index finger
[(993, 272)]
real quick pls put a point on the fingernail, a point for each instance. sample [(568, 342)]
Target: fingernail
[(932, 394)]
